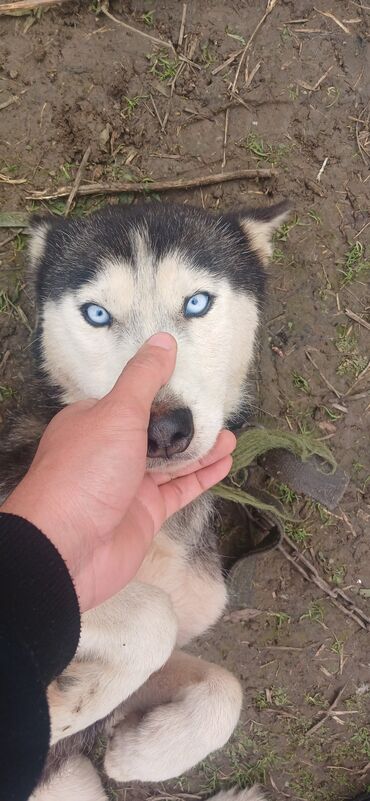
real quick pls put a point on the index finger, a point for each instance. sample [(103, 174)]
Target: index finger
[(143, 376)]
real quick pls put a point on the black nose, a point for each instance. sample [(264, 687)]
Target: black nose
[(170, 433)]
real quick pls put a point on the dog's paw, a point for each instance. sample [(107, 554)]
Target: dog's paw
[(252, 794), (77, 780), (170, 739)]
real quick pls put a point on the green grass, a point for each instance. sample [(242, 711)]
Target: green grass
[(66, 171), (257, 773), (148, 18), (331, 414), (315, 613), (6, 393), (282, 234), (338, 575), (131, 104), (345, 342), (352, 366), (281, 618), (208, 56), (20, 243), (263, 151), (323, 513), (9, 305), (279, 697), (163, 66), (285, 494), (237, 36), (355, 265), (299, 382), (304, 785), (315, 216), (285, 35), (293, 91), (316, 699), (361, 741), (297, 533), (337, 646)]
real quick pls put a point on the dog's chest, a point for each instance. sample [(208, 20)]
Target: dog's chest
[(196, 588)]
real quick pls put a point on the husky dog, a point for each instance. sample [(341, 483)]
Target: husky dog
[(103, 285)]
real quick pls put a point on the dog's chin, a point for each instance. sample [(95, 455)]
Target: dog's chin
[(198, 449), (172, 465)]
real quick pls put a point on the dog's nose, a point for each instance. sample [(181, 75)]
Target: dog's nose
[(170, 433)]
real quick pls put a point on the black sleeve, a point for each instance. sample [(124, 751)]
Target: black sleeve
[(39, 633)]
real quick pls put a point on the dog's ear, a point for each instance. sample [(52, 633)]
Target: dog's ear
[(38, 228), (260, 224)]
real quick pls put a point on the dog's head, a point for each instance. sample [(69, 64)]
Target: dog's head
[(105, 283)]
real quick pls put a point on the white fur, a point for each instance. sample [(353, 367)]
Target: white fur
[(198, 599), (252, 794), (122, 643), (79, 781), (170, 711), (184, 712), (76, 781), (214, 351), (260, 234), (37, 244)]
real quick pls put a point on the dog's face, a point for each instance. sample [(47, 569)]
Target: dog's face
[(106, 283)]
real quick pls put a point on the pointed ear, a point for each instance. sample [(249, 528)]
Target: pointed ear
[(38, 228), (260, 224)]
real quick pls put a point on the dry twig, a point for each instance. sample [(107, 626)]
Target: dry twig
[(363, 136), (337, 596), (234, 87), (357, 319), (27, 5), (156, 186), (182, 26), (78, 180), (328, 712), (269, 7), (314, 87), (359, 378), (335, 19), (325, 380), (4, 179), (232, 57), (9, 102), (161, 42)]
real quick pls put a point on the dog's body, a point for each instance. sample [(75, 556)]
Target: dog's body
[(103, 285)]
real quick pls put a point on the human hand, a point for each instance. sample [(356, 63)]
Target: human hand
[(87, 489)]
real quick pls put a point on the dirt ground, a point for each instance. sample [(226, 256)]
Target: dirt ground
[(72, 77)]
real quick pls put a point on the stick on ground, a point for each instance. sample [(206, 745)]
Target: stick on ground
[(77, 182), (337, 596), (328, 712), (160, 42), (155, 186), (27, 5)]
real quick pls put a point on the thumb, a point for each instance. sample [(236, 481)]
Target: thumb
[(142, 378)]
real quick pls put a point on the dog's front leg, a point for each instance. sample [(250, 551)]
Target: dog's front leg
[(186, 710), (123, 642)]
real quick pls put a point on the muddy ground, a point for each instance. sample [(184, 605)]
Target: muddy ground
[(76, 78)]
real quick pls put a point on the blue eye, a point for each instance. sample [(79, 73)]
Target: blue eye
[(197, 305), (96, 315)]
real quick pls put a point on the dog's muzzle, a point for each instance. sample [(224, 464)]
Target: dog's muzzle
[(170, 433)]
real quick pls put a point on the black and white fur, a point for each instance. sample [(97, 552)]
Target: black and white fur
[(162, 709)]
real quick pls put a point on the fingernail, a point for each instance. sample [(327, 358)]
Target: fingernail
[(161, 340)]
